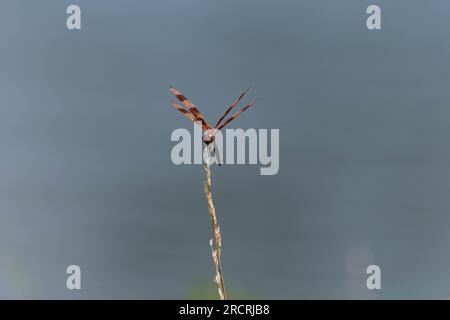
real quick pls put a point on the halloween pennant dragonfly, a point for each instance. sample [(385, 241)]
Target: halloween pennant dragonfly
[(190, 111)]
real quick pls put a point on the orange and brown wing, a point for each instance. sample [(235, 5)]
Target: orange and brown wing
[(231, 107), (191, 107), (188, 115), (235, 115)]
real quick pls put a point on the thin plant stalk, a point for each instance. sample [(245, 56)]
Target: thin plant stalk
[(216, 241)]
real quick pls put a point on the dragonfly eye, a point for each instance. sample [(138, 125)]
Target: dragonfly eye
[(209, 136)]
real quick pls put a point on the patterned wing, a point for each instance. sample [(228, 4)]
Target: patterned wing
[(191, 107), (188, 115), (235, 115), (231, 107)]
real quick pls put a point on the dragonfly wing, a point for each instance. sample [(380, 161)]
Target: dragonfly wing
[(235, 115), (191, 107), (231, 107)]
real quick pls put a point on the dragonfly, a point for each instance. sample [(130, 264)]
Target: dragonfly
[(190, 111)]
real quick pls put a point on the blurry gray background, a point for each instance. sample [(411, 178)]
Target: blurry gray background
[(85, 170)]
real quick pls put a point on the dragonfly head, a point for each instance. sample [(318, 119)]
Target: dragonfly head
[(209, 136)]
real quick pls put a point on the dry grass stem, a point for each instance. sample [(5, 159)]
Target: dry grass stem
[(216, 242)]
